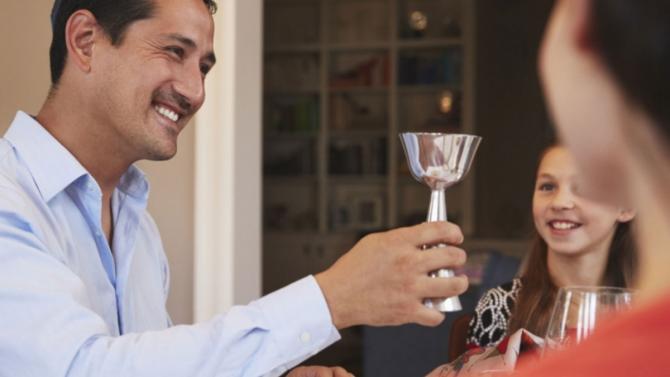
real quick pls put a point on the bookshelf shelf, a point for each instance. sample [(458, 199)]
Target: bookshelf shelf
[(360, 90), (429, 43), (298, 48)]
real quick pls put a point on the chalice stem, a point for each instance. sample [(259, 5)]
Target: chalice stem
[(437, 211)]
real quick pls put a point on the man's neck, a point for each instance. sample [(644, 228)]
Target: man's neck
[(86, 140)]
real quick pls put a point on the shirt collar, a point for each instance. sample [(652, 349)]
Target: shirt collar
[(53, 167), (134, 183)]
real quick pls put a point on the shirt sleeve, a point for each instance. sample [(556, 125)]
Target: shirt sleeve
[(48, 328)]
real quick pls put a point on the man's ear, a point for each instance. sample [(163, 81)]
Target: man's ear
[(81, 33)]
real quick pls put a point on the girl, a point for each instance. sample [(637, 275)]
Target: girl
[(577, 242)]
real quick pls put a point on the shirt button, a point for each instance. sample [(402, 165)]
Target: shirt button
[(305, 337)]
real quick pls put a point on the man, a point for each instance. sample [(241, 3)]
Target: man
[(83, 276)]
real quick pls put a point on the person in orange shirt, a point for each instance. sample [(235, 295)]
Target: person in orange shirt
[(605, 69)]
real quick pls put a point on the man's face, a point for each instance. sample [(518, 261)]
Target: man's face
[(150, 85)]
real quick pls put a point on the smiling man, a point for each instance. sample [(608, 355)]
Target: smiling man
[(83, 274)]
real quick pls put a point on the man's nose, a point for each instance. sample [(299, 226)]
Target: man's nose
[(191, 86)]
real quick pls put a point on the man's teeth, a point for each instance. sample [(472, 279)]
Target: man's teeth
[(562, 225), (167, 113)]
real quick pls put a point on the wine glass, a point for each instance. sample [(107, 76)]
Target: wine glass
[(580, 309)]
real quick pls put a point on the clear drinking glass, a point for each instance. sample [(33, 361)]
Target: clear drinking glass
[(579, 310)]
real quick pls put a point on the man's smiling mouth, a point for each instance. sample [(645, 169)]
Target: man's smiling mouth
[(167, 113)]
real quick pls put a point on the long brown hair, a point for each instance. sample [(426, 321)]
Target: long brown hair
[(538, 291)]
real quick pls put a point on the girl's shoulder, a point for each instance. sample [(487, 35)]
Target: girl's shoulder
[(489, 322), (500, 298)]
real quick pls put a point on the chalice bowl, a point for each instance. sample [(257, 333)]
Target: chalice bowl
[(439, 161)]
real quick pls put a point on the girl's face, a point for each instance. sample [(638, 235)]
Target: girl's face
[(568, 222)]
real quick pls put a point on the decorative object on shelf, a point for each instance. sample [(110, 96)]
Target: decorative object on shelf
[(425, 112), (418, 22), (429, 19), (359, 70), (439, 161), (446, 102), (358, 111)]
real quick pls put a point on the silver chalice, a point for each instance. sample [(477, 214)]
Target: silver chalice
[(439, 161)]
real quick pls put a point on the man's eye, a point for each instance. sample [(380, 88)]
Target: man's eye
[(204, 69), (176, 51)]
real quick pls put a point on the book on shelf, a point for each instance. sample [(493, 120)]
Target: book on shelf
[(292, 114)]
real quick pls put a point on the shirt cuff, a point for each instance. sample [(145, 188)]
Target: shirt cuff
[(300, 320)]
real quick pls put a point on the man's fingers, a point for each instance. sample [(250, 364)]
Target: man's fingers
[(442, 257), (428, 317), (429, 287), (434, 233), (341, 372)]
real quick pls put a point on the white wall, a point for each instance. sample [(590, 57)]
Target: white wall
[(171, 201), (228, 165), (25, 36)]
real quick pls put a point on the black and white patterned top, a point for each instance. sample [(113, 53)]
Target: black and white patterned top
[(489, 324)]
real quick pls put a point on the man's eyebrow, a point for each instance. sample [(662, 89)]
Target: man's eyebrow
[(188, 42)]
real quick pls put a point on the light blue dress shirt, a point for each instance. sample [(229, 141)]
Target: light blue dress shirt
[(72, 306)]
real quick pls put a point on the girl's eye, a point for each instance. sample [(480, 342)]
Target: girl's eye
[(546, 187)]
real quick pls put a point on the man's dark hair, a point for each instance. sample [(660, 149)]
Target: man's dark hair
[(633, 38), (114, 16)]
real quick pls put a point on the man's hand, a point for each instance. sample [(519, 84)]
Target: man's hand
[(316, 371), (384, 278)]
